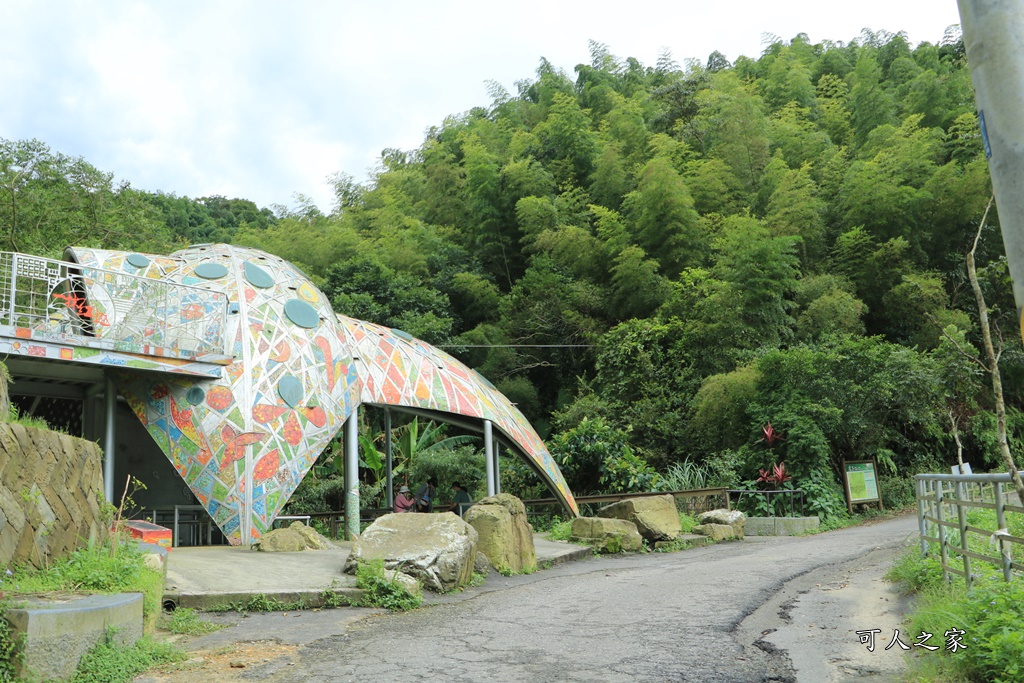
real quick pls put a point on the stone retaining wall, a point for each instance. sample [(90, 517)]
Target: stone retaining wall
[(51, 488)]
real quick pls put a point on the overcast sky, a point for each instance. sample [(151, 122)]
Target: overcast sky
[(263, 99)]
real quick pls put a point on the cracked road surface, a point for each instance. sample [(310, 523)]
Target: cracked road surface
[(765, 609)]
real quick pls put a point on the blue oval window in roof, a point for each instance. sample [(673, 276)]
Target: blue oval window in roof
[(301, 313), (257, 277), (195, 395), (402, 334), (211, 271), (289, 388), (138, 260)]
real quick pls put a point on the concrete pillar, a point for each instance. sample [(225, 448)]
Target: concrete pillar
[(352, 476), (109, 441), (388, 463), (489, 457), (993, 33)]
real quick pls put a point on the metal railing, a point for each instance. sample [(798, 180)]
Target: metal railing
[(68, 303), (942, 498), (795, 496), (691, 500)]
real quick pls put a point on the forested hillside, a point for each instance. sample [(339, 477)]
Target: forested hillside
[(656, 262)]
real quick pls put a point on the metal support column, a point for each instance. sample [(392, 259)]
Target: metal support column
[(352, 476), (497, 467), (489, 457), (109, 440), (388, 463)]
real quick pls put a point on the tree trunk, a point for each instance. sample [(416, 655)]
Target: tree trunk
[(993, 364)]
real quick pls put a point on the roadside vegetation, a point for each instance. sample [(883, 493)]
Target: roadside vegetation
[(107, 568), (381, 591), (988, 614)]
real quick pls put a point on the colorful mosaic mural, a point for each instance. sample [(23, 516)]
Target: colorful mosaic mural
[(244, 441), (399, 370)]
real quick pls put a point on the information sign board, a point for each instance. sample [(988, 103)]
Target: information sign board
[(861, 482)]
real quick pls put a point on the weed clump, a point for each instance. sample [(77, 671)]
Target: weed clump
[(381, 591), (110, 662)]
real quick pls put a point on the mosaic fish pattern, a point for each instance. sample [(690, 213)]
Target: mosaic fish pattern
[(400, 370), (243, 442)]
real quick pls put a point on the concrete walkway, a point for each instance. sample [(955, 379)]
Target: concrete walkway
[(212, 577)]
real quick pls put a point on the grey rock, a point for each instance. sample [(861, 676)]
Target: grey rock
[(655, 517), (438, 549)]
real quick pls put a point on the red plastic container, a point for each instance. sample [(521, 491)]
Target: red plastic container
[(148, 532)]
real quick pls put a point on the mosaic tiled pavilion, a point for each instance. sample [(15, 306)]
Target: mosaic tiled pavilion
[(241, 372)]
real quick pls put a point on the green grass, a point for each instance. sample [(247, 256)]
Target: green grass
[(673, 546), (186, 621), (988, 614), (687, 522), (261, 602), (109, 662), (379, 591), (560, 530), (96, 569)]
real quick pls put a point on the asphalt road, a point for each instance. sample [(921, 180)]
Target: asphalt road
[(764, 609)]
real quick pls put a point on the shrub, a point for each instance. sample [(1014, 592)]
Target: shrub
[(594, 456), (686, 475), (822, 495), (314, 494), (8, 647), (463, 464), (992, 624)]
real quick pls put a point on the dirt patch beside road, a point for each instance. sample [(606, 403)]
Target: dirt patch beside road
[(813, 622)]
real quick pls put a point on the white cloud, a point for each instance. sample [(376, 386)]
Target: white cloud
[(262, 99)]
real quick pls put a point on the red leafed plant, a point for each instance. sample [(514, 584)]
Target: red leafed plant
[(770, 435), (776, 476)]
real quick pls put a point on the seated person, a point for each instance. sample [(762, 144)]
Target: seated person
[(462, 500), (425, 496), (404, 502)]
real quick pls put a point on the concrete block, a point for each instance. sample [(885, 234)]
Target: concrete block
[(791, 526), (58, 632), (759, 526), (780, 526)]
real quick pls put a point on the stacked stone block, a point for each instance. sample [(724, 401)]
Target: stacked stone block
[(51, 490)]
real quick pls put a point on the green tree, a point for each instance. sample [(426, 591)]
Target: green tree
[(662, 219), (870, 105)]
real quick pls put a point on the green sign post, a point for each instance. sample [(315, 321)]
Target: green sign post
[(861, 482)]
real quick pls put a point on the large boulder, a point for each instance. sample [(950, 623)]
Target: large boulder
[(437, 549), (656, 517), (505, 536), (734, 518), (292, 539), (607, 535)]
